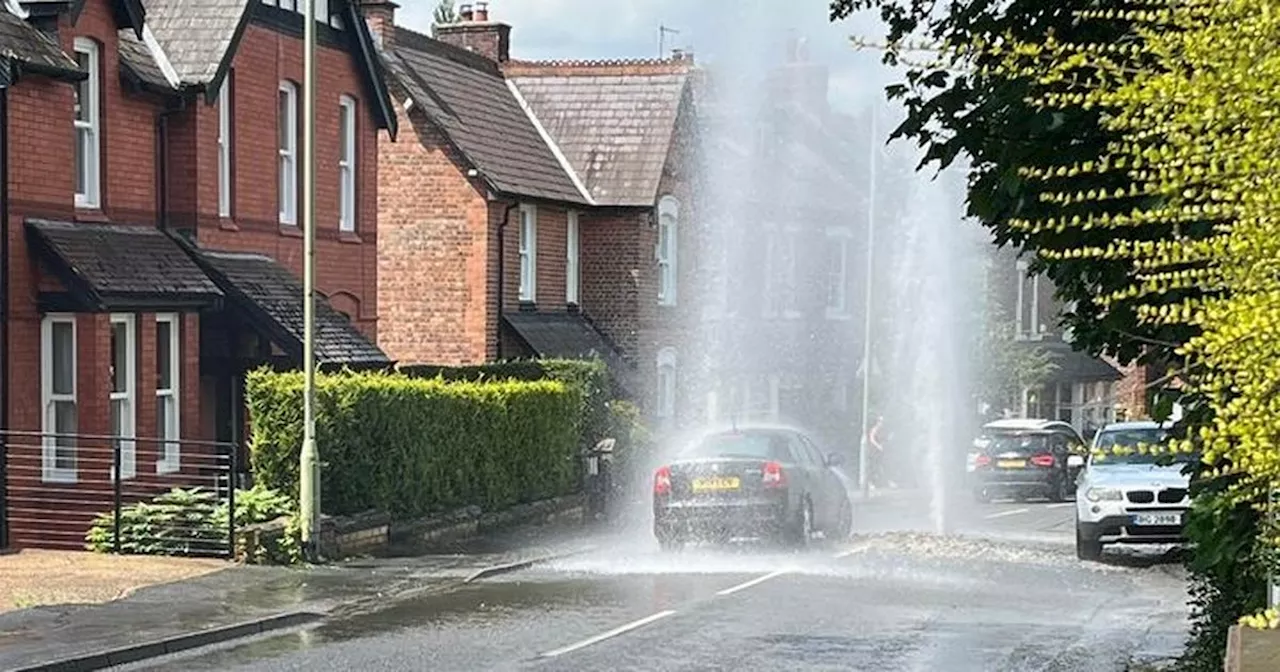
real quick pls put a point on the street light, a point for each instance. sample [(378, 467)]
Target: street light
[(309, 467), (863, 482)]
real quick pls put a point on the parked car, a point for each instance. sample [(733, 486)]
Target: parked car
[(1025, 458), (1130, 499), (758, 481)]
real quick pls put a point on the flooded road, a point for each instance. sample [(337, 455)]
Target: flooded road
[(1004, 593)]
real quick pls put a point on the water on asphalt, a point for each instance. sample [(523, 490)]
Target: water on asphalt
[(1004, 594)]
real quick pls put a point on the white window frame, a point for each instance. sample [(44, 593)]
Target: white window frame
[(528, 253), (667, 255), (838, 283), (666, 384), (129, 397), (170, 458), (572, 252), (224, 147), (347, 166), (52, 473), (287, 166), (88, 132)]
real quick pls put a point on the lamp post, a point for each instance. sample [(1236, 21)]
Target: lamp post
[(864, 482), (309, 468)]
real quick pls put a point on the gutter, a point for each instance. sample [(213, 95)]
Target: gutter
[(4, 314), (502, 271)]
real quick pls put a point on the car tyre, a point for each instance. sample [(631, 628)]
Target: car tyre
[(844, 521), (1062, 491), (800, 531), (1087, 548)]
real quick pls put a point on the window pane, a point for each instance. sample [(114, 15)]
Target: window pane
[(82, 149), (117, 416), (64, 357), (344, 131), (162, 417), (286, 116), (82, 88), (119, 357), (164, 358), (65, 421)]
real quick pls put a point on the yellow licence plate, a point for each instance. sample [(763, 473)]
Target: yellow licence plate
[(713, 484), (1011, 464)]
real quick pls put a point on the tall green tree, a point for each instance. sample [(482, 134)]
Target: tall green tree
[(958, 106)]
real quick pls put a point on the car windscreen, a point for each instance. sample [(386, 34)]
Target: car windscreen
[(751, 445), (1021, 444), (1127, 441)]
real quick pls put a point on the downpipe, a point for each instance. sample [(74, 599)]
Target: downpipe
[(4, 317), (502, 272)]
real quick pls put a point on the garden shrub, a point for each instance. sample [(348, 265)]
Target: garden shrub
[(413, 446), (191, 522)]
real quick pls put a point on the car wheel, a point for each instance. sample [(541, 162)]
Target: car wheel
[(670, 544), (1086, 548), (801, 531), (844, 524)]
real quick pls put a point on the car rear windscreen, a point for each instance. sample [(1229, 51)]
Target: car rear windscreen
[(1022, 444), (761, 446)]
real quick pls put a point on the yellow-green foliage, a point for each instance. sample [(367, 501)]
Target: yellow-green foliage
[(1193, 94), (412, 446)]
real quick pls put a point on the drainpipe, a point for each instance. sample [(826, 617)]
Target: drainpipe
[(4, 314), (162, 161), (502, 272)]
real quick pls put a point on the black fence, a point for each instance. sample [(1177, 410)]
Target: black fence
[(130, 495)]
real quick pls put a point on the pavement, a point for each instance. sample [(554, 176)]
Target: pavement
[(950, 586), (33, 578)]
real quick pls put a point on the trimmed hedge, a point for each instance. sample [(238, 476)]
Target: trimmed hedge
[(589, 377), (414, 446)]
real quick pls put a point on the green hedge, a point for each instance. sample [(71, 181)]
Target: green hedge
[(589, 377), (413, 446)]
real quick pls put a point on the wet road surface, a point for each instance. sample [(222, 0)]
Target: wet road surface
[(1001, 591)]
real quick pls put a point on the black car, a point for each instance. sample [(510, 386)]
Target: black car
[(757, 481), (1024, 464)]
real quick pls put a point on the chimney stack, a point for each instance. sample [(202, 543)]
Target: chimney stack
[(475, 32), (380, 15)]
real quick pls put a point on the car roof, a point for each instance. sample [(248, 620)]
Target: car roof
[(1027, 424), (1134, 424)]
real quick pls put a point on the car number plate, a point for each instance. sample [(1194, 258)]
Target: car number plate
[(1011, 464), (716, 484), (1157, 519)]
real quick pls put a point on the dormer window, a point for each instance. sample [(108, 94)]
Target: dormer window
[(321, 8)]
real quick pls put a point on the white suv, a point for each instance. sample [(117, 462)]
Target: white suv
[(1129, 499)]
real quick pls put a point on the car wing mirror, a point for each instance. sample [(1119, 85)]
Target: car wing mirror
[(1075, 460)]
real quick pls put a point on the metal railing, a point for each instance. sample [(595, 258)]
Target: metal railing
[(172, 497)]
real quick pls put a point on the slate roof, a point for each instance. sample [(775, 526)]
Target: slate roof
[(466, 96), (567, 336), (1072, 365), (24, 43), (269, 293), (135, 56), (195, 34), (615, 130), (115, 264)]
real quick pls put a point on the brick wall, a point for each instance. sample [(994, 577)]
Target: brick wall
[(434, 258), (345, 264)]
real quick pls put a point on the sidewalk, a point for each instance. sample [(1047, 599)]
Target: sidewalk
[(203, 610)]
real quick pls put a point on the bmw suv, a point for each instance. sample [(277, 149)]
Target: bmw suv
[(1130, 499)]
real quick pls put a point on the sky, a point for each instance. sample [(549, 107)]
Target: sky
[(715, 30)]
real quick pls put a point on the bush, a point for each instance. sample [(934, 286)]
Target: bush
[(190, 522), (414, 446)]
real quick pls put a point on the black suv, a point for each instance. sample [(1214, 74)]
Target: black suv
[(1027, 458)]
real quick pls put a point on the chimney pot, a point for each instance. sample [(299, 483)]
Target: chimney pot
[(677, 54), (464, 13), (482, 11)]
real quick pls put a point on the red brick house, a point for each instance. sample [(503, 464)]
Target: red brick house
[(153, 252), (533, 208)]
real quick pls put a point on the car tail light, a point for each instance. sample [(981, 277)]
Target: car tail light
[(1042, 460), (662, 481), (982, 461), (773, 476)]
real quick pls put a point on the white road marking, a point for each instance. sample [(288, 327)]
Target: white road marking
[(606, 635), (1060, 505), (753, 582), (1003, 514), (850, 551)]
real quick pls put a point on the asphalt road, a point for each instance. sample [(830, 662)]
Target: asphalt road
[(999, 590)]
